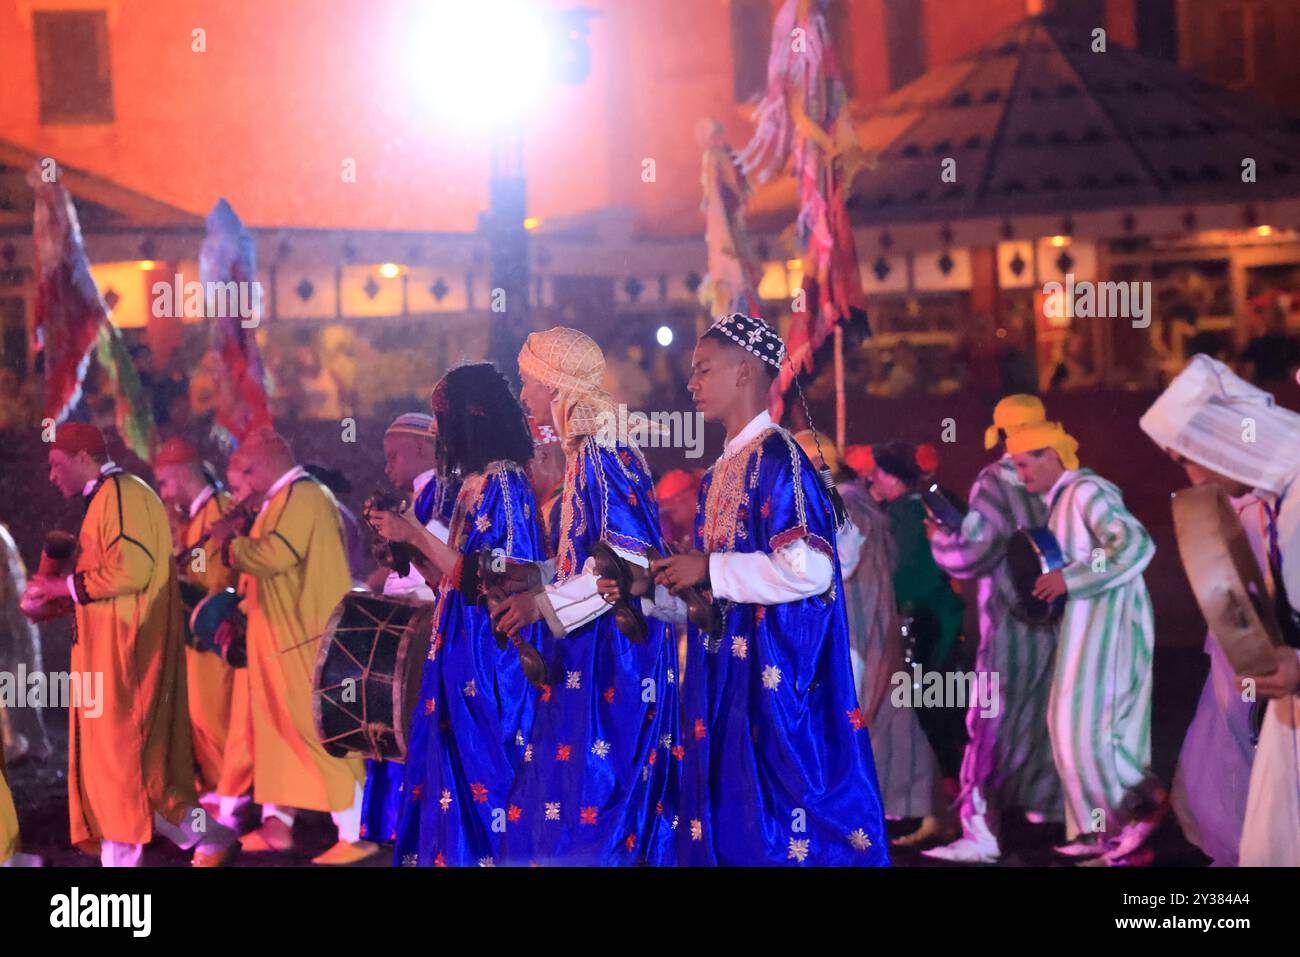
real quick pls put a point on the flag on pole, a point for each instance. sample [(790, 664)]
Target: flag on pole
[(72, 320), (732, 281), (228, 269), (804, 115), (69, 308)]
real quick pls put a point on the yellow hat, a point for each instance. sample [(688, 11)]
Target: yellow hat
[(830, 454), (1014, 412), (1045, 435)]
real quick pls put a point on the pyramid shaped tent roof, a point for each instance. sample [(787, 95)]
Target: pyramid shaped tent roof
[(1039, 124)]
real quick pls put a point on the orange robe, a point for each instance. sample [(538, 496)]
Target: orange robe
[(218, 693), (8, 817), (293, 572), (134, 757)]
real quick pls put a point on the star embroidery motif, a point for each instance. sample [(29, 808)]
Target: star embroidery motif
[(672, 677), (630, 842), (479, 791), (631, 499), (759, 614), (771, 677), (410, 860), (697, 829), (700, 729), (471, 689), (417, 792), (513, 813), (546, 692), (674, 822), (552, 810), (855, 718), (440, 861), (444, 802), (766, 510), (429, 705), (588, 815), (739, 646), (659, 808), (573, 679), (528, 753), (650, 758), (482, 523), (600, 748), (679, 752), (609, 696), (798, 850), (665, 740), (519, 737), (859, 840), (486, 862), (563, 752)]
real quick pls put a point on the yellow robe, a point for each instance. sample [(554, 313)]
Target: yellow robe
[(222, 750), (294, 571), (8, 817), (134, 757)]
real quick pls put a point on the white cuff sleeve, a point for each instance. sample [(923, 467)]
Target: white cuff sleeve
[(665, 606), (792, 573), (574, 602), (71, 582), (848, 545)]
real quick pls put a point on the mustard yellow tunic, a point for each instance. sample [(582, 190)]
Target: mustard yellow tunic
[(8, 817), (133, 758), (294, 571), (222, 750)]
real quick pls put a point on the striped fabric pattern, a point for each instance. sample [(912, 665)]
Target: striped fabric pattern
[(1099, 715), (1009, 757)]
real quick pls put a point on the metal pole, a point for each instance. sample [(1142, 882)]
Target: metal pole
[(507, 250)]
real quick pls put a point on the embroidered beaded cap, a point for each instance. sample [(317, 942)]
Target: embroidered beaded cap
[(753, 335)]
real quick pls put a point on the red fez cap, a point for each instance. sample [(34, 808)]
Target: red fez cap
[(927, 457), (74, 437), (176, 451), (675, 483)]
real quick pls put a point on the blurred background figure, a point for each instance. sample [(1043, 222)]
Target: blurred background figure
[(21, 728), (678, 492), (931, 611)]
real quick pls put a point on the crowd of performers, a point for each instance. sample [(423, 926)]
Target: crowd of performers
[(697, 676)]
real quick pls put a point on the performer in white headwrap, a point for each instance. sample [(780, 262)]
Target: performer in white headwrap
[(1221, 428), (1099, 711)]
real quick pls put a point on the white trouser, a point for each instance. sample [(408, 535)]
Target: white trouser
[(196, 829), (348, 822)]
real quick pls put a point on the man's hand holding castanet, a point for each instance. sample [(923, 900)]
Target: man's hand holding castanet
[(515, 613), (639, 586), (393, 526), (678, 572)]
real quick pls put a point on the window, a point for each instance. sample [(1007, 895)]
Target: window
[(751, 44), (72, 66), (904, 41)]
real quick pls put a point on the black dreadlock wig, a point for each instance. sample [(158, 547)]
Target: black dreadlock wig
[(479, 420)]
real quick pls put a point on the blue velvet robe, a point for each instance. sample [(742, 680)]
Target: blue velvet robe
[(475, 706), (778, 766), (599, 779), (381, 800)]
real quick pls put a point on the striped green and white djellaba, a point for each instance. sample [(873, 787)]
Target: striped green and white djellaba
[(1099, 715), (1008, 762)]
